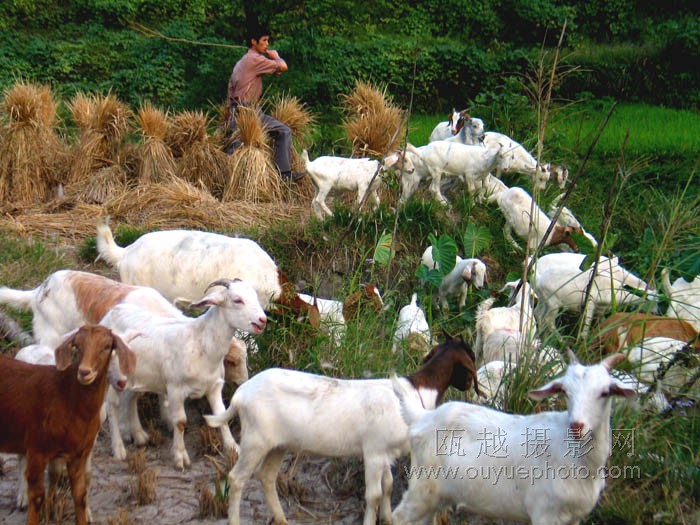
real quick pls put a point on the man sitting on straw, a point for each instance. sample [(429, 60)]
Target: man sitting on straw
[(245, 88)]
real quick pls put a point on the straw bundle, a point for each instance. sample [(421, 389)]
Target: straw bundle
[(301, 121), (198, 159), (373, 123), (155, 160), (30, 149), (254, 175), (95, 171), (179, 204)]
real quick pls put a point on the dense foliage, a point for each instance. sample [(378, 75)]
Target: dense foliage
[(627, 49)]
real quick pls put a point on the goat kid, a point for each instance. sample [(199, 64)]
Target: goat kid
[(38, 354), (182, 358), (564, 500), (49, 412), (412, 328), (283, 410)]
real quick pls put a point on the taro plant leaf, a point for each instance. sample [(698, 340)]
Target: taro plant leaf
[(476, 239), (444, 252), (383, 252), (428, 275)]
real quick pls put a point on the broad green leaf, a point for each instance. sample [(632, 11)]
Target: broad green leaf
[(444, 252), (429, 276), (382, 252), (476, 239)]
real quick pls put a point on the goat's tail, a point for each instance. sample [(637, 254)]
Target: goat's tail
[(19, 299), (411, 410), (222, 419), (414, 300), (484, 307), (107, 249)]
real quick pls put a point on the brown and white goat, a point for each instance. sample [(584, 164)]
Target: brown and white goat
[(49, 412), (292, 410), (625, 329)]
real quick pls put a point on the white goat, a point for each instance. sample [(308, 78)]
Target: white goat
[(180, 264), (334, 314), (538, 479), (654, 352), (469, 131), (449, 127), (684, 298), (328, 173), (183, 358), (472, 164), (516, 205), (466, 271), (516, 159), (283, 410), (559, 283), (504, 329), (412, 327)]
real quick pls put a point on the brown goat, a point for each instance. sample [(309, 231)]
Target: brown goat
[(625, 329), (49, 412)]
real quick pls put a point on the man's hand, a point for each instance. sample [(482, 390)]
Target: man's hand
[(274, 55)]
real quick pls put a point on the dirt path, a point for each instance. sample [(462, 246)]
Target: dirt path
[(321, 491)]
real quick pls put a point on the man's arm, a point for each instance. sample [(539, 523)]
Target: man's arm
[(281, 64)]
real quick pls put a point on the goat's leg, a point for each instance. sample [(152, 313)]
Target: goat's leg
[(78, 485), (320, 202), (462, 296), (251, 455), (217, 407), (22, 488), (374, 468), (176, 402), (416, 506), (409, 185), (34, 473), (435, 187), (267, 474), (138, 434), (113, 401), (508, 234), (316, 206), (55, 468), (387, 487)]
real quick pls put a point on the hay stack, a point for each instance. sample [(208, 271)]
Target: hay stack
[(374, 125), (198, 159), (254, 175), (31, 152), (96, 170), (155, 159)]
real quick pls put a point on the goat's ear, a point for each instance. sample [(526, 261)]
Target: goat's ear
[(612, 361), (64, 353), (213, 298), (127, 358), (551, 388), (618, 388)]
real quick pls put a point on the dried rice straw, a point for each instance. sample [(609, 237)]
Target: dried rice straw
[(31, 152), (155, 159)]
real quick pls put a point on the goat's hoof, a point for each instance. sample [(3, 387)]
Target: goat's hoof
[(140, 438)]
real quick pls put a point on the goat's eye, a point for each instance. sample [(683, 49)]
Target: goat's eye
[(605, 394), (238, 301)]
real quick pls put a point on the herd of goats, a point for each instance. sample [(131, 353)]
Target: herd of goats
[(100, 343)]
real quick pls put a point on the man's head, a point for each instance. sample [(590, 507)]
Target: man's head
[(258, 37)]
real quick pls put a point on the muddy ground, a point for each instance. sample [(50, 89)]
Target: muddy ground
[(318, 491)]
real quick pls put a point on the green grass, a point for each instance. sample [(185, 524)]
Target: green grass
[(653, 131)]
